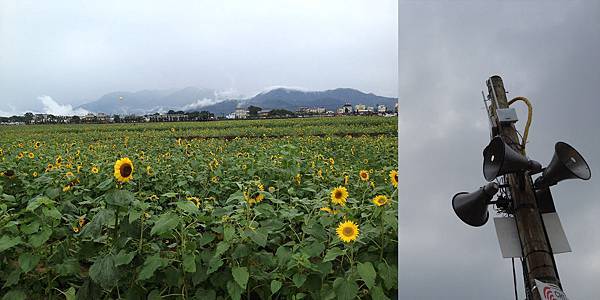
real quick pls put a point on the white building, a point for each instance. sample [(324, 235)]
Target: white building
[(241, 113), (381, 108)]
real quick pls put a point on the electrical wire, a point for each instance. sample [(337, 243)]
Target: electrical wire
[(529, 117)]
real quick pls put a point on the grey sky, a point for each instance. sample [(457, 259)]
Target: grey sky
[(76, 51), (447, 49)]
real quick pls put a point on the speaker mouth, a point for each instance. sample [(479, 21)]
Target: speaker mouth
[(493, 158), (573, 161)]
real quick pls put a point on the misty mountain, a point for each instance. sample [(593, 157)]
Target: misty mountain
[(150, 101), (292, 99), (195, 99)]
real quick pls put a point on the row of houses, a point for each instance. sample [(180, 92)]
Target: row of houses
[(346, 109)]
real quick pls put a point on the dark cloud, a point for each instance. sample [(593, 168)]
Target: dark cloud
[(447, 49)]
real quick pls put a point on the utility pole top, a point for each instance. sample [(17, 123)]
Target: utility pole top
[(538, 258)]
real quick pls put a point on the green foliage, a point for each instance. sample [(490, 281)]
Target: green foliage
[(191, 224)]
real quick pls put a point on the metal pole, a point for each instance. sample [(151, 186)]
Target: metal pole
[(534, 244)]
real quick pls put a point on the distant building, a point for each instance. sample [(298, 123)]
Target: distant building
[(346, 109), (381, 108), (102, 117), (89, 117), (241, 113)]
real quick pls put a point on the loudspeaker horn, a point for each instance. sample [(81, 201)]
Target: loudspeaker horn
[(471, 208), (566, 163), (500, 159)]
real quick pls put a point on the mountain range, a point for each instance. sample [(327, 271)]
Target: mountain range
[(198, 99)]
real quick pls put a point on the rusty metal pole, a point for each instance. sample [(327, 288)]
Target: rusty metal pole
[(538, 259)]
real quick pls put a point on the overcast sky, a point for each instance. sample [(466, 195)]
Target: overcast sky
[(548, 52), (75, 52)]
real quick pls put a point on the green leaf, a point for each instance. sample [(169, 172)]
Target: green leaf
[(189, 263), (122, 198), (134, 215), (275, 286), (234, 290), (28, 261), (30, 228), (36, 240), (299, 279), (102, 218), (104, 185), (124, 258), (222, 246), (333, 253), (15, 295), (388, 274), (187, 206), (228, 233), (151, 264), (345, 289), (68, 267), (70, 294), (240, 275), (367, 273), (258, 237), (7, 242), (314, 249), (377, 293), (214, 264), (13, 278), (37, 201), (165, 223), (51, 212), (104, 272), (205, 239), (169, 195)]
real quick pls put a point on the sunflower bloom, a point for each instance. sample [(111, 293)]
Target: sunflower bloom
[(380, 200), (346, 179), (31, 155), (94, 170), (394, 178), (123, 170), (149, 170), (327, 209), (364, 175), (339, 195), (20, 155), (347, 231)]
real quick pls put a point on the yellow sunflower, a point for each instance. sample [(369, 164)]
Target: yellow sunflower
[(31, 155), (20, 155), (347, 231), (195, 200), (94, 170), (36, 145), (327, 209), (35, 174), (346, 179), (339, 195), (364, 175), (123, 170), (394, 177), (380, 200), (149, 170)]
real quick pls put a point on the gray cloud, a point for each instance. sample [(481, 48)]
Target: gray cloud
[(77, 52), (447, 49)]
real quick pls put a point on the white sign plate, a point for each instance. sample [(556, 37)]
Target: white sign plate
[(550, 291), (508, 237)]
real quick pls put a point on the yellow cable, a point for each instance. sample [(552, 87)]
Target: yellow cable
[(529, 111)]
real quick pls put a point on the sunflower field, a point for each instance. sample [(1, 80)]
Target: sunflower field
[(264, 209)]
